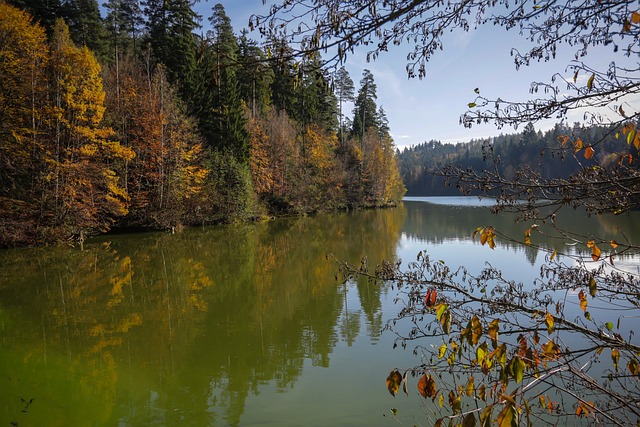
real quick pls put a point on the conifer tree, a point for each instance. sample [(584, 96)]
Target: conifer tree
[(345, 91), (254, 76), (365, 112), (170, 27), (85, 25), (228, 125)]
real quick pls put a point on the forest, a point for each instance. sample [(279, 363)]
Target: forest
[(545, 154), (139, 120)]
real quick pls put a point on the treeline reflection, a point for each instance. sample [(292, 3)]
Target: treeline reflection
[(165, 329)]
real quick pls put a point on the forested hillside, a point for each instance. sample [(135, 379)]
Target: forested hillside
[(547, 154), (141, 119)]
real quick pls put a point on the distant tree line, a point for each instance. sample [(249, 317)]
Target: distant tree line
[(547, 155), (136, 119)]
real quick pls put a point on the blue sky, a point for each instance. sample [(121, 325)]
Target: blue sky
[(422, 110)]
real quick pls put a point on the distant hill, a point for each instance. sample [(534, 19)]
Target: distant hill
[(542, 152)]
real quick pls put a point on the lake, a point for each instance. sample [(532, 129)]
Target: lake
[(234, 325)]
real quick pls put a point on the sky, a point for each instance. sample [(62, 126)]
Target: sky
[(430, 109)]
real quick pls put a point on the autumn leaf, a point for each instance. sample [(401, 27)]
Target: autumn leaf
[(584, 408), (430, 298), (485, 417), (517, 368), (583, 300), (445, 321), (427, 387), (549, 321), (508, 417), (470, 388), (588, 152), (550, 350), (393, 382), (562, 139), (635, 17), (634, 367), (455, 402), (494, 328), (593, 287), (590, 81), (469, 420), (615, 357)]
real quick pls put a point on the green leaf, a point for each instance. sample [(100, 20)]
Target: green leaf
[(472, 104), (593, 287), (609, 325), (477, 91), (517, 366)]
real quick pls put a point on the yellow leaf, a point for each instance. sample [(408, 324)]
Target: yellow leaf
[(633, 367), (595, 253), (494, 328), (442, 351), (553, 255), (527, 237), (583, 300), (508, 416), (470, 388), (635, 17), (590, 82), (550, 322), (550, 350), (615, 357), (588, 152)]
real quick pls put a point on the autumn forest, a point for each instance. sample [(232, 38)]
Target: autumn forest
[(139, 120)]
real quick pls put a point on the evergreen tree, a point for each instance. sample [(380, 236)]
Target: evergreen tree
[(345, 91), (284, 75), (122, 23), (85, 25), (254, 76), (44, 12), (365, 114), (170, 27)]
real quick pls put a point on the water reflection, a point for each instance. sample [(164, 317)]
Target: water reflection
[(165, 329), (221, 326)]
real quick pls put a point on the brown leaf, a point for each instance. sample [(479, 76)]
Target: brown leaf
[(393, 382), (427, 387), (430, 298)]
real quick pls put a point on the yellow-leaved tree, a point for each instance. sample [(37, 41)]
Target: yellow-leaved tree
[(83, 192), (23, 52)]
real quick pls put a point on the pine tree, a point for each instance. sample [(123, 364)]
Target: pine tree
[(344, 90), (365, 112), (85, 25), (229, 124), (170, 27), (254, 76), (123, 23)]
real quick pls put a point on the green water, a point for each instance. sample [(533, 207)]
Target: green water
[(240, 325)]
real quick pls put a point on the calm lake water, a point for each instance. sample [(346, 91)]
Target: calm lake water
[(239, 325)]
